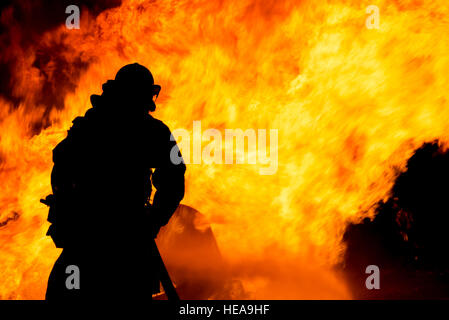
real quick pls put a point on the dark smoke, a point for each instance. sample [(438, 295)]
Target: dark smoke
[(22, 26), (408, 239)]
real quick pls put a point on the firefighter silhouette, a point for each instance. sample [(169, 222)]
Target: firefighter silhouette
[(96, 207)]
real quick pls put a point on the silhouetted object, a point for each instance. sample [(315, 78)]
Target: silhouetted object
[(192, 255), (96, 211), (408, 237)]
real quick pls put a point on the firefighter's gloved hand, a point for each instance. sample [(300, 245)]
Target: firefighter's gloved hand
[(155, 230)]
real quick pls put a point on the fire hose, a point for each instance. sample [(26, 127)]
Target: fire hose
[(164, 277)]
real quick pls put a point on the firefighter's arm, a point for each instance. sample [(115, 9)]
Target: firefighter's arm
[(168, 180)]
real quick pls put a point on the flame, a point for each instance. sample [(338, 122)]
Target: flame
[(350, 103)]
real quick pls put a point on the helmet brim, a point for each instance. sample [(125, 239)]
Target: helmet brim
[(156, 89)]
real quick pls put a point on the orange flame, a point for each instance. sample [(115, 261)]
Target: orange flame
[(350, 103)]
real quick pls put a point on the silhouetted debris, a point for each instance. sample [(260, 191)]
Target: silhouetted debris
[(192, 257), (13, 216), (408, 238)]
